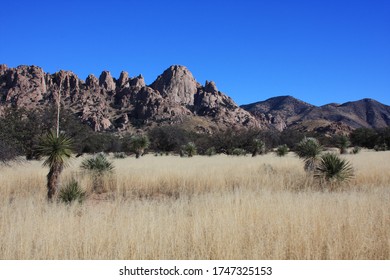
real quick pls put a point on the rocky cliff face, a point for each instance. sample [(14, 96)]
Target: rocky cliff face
[(127, 103)]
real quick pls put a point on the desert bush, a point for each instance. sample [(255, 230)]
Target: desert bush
[(333, 169), (356, 150), (258, 147), (98, 167), (188, 150), (138, 144), (380, 147), (343, 143), (211, 151), (120, 155), (72, 192), (309, 149), (282, 150), (238, 152)]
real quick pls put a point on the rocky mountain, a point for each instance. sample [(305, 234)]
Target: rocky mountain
[(125, 104), (288, 112)]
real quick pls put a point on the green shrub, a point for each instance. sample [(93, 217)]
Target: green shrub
[(258, 147), (333, 169), (211, 152), (188, 150), (238, 152), (309, 149), (138, 144), (98, 166), (381, 147), (72, 192), (282, 150), (119, 155), (356, 150)]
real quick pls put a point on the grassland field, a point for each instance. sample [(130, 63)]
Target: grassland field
[(219, 207)]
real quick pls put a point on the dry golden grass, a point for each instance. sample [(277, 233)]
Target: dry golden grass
[(200, 208)]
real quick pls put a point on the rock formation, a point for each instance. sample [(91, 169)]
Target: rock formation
[(127, 103)]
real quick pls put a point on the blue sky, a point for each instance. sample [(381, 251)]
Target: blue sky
[(319, 51)]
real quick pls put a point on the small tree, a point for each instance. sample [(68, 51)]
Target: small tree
[(309, 149), (138, 144), (57, 150)]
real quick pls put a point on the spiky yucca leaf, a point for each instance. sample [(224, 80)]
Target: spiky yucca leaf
[(58, 150), (332, 168)]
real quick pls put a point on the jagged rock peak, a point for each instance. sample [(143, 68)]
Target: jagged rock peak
[(177, 84), (137, 81), (106, 81), (92, 81), (3, 68), (123, 79), (210, 87)]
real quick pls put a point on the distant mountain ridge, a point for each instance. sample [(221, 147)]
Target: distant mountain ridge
[(127, 104), (288, 112)]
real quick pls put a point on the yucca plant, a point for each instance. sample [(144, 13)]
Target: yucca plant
[(138, 144), (211, 151), (238, 152), (309, 149), (333, 169), (258, 147), (72, 192), (343, 143), (98, 166), (188, 150), (120, 155), (282, 150), (57, 149), (356, 150)]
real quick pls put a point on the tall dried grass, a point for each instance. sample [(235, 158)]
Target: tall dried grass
[(200, 208)]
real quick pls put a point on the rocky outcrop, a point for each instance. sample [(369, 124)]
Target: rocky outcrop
[(127, 103), (177, 85)]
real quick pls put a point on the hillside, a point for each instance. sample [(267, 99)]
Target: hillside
[(127, 104), (288, 112)]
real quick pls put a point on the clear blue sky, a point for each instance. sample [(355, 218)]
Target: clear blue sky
[(320, 51)]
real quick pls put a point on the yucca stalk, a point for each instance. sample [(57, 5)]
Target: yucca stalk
[(57, 150)]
